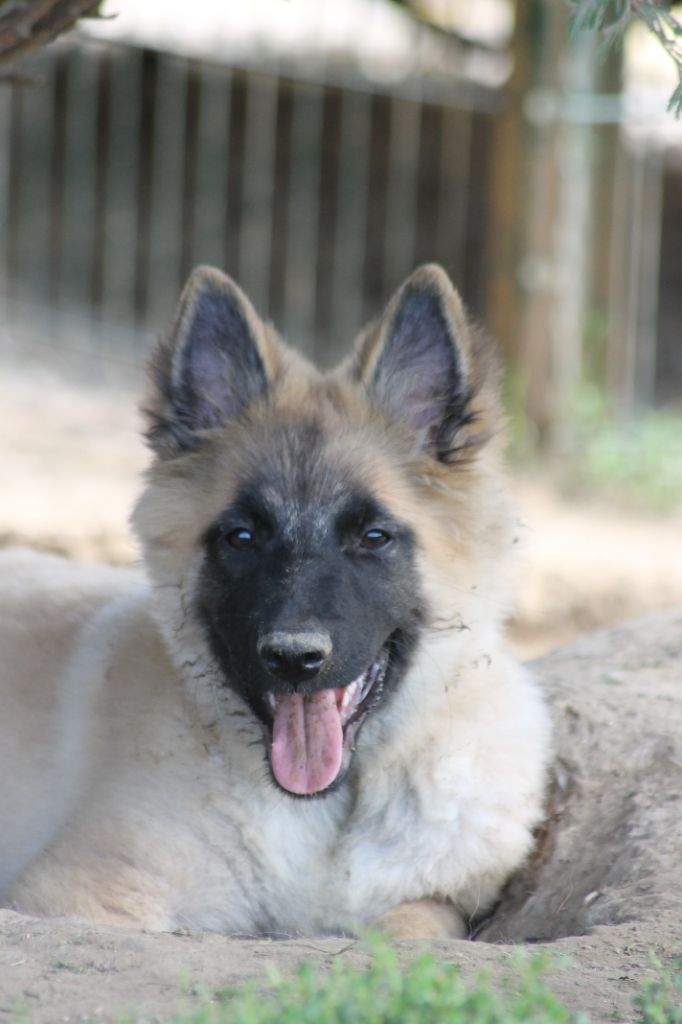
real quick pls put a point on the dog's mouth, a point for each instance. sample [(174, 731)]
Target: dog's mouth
[(313, 734)]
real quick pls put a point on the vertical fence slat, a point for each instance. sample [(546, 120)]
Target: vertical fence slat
[(79, 179), (212, 165), (633, 299), (374, 283), (143, 189), (235, 174), (190, 161), (303, 217), (347, 309), (326, 238), (5, 171), (57, 171), (280, 201), (455, 170), (258, 188), (668, 370), (472, 278), (14, 179), (401, 191), (428, 183), (121, 236), (649, 276), (102, 153), (622, 300), (165, 229), (28, 257)]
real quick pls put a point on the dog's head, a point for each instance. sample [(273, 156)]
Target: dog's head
[(313, 531)]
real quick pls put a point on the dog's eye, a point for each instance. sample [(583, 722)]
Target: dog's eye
[(241, 538), (375, 538)]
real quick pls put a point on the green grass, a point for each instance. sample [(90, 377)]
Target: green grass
[(635, 463), (660, 1001), (639, 462), (425, 992)]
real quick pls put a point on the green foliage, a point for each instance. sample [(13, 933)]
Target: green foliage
[(426, 992), (611, 18), (638, 462), (635, 463), (660, 1001)]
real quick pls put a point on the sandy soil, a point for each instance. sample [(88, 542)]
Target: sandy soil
[(605, 886), (60, 971)]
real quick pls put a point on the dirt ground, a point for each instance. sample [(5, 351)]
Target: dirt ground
[(60, 971), (606, 886)]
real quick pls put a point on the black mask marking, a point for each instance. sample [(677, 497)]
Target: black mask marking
[(308, 585)]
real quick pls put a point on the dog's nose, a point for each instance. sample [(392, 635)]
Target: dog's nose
[(295, 656)]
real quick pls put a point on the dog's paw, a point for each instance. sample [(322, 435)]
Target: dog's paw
[(423, 919)]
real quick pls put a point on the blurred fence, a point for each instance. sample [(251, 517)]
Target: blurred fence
[(127, 167), (121, 168)]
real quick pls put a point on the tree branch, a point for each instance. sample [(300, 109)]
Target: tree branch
[(27, 25), (611, 18)]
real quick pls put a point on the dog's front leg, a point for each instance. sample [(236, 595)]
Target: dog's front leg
[(423, 919)]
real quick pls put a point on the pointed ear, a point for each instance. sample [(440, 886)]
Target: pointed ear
[(426, 369), (211, 367)]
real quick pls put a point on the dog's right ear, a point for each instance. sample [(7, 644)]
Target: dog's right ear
[(210, 368)]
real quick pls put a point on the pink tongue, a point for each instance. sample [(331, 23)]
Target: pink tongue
[(307, 742)]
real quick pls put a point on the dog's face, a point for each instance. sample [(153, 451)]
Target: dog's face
[(311, 604), (315, 502)]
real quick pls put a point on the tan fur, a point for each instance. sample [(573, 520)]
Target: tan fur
[(132, 782), (422, 919)]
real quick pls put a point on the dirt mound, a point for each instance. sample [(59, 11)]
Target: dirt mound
[(604, 886), (610, 852)]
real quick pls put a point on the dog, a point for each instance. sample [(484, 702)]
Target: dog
[(302, 719)]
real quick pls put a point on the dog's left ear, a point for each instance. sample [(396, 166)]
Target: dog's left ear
[(210, 369), (425, 368)]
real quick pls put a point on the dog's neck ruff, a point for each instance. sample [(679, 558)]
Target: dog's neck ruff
[(202, 679)]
